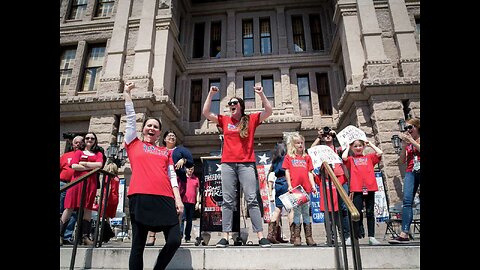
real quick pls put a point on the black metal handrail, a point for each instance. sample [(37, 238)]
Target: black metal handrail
[(82, 204), (353, 214)]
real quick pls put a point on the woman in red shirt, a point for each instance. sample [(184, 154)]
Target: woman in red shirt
[(154, 198), (410, 155), (238, 159)]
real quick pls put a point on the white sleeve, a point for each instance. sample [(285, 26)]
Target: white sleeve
[(271, 177), (130, 132), (172, 175)]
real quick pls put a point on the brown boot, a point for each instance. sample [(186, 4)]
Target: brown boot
[(271, 232), (308, 235), (298, 238), (278, 234), (292, 233)]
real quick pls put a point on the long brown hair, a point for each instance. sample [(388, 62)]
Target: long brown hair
[(243, 119)]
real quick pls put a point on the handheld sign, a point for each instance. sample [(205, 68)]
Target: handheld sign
[(321, 153), (349, 135)]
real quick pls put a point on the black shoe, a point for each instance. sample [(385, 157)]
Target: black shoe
[(222, 243), (264, 242)]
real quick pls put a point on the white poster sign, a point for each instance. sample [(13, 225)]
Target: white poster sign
[(321, 153), (380, 208), (349, 135), (117, 220)]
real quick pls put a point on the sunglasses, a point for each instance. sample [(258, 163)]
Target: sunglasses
[(230, 103), (90, 138), (326, 134), (409, 127)]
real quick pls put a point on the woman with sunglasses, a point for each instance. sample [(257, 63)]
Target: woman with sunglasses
[(238, 159), (154, 198), (83, 161), (411, 155)]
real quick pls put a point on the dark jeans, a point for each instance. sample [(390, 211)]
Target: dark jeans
[(410, 187), (188, 213), (358, 200), (344, 212), (139, 236)]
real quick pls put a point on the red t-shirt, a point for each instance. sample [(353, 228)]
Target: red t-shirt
[(299, 168), (362, 172), (236, 149), (191, 194), (149, 164), (66, 172), (411, 152), (318, 181)]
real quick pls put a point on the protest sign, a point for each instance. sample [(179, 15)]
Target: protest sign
[(294, 198), (349, 135), (321, 153)]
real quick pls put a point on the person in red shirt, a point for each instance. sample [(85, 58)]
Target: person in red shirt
[(327, 136), (66, 171), (238, 159), (411, 156), (82, 163), (154, 198), (363, 183), (298, 171), (191, 200), (66, 174)]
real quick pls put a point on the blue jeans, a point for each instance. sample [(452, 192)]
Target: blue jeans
[(303, 212), (344, 213), (62, 197), (70, 227), (188, 213), (410, 187)]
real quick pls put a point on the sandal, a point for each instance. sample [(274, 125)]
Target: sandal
[(149, 244)]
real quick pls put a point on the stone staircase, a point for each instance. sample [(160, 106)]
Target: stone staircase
[(115, 254)]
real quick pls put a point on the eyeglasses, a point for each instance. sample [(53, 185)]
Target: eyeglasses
[(230, 103), (171, 136), (409, 127), (90, 138)]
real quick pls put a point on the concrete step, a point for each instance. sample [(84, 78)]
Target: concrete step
[(115, 254), (281, 256)]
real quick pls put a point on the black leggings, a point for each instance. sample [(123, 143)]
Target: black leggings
[(139, 237), (358, 201)]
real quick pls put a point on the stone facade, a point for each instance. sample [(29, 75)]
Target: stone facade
[(370, 56)]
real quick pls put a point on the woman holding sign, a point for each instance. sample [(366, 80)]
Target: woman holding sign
[(238, 159), (411, 155)]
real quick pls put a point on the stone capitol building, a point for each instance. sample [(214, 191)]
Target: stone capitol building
[(320, 62)]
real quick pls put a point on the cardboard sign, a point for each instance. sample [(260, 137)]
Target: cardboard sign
[(295, 198), (349, 135), (321, 153)]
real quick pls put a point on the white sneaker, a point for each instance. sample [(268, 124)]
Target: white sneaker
[(373, 241), (348, 242)]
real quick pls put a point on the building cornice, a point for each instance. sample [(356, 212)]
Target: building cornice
[(252, 63), (83, 27)]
